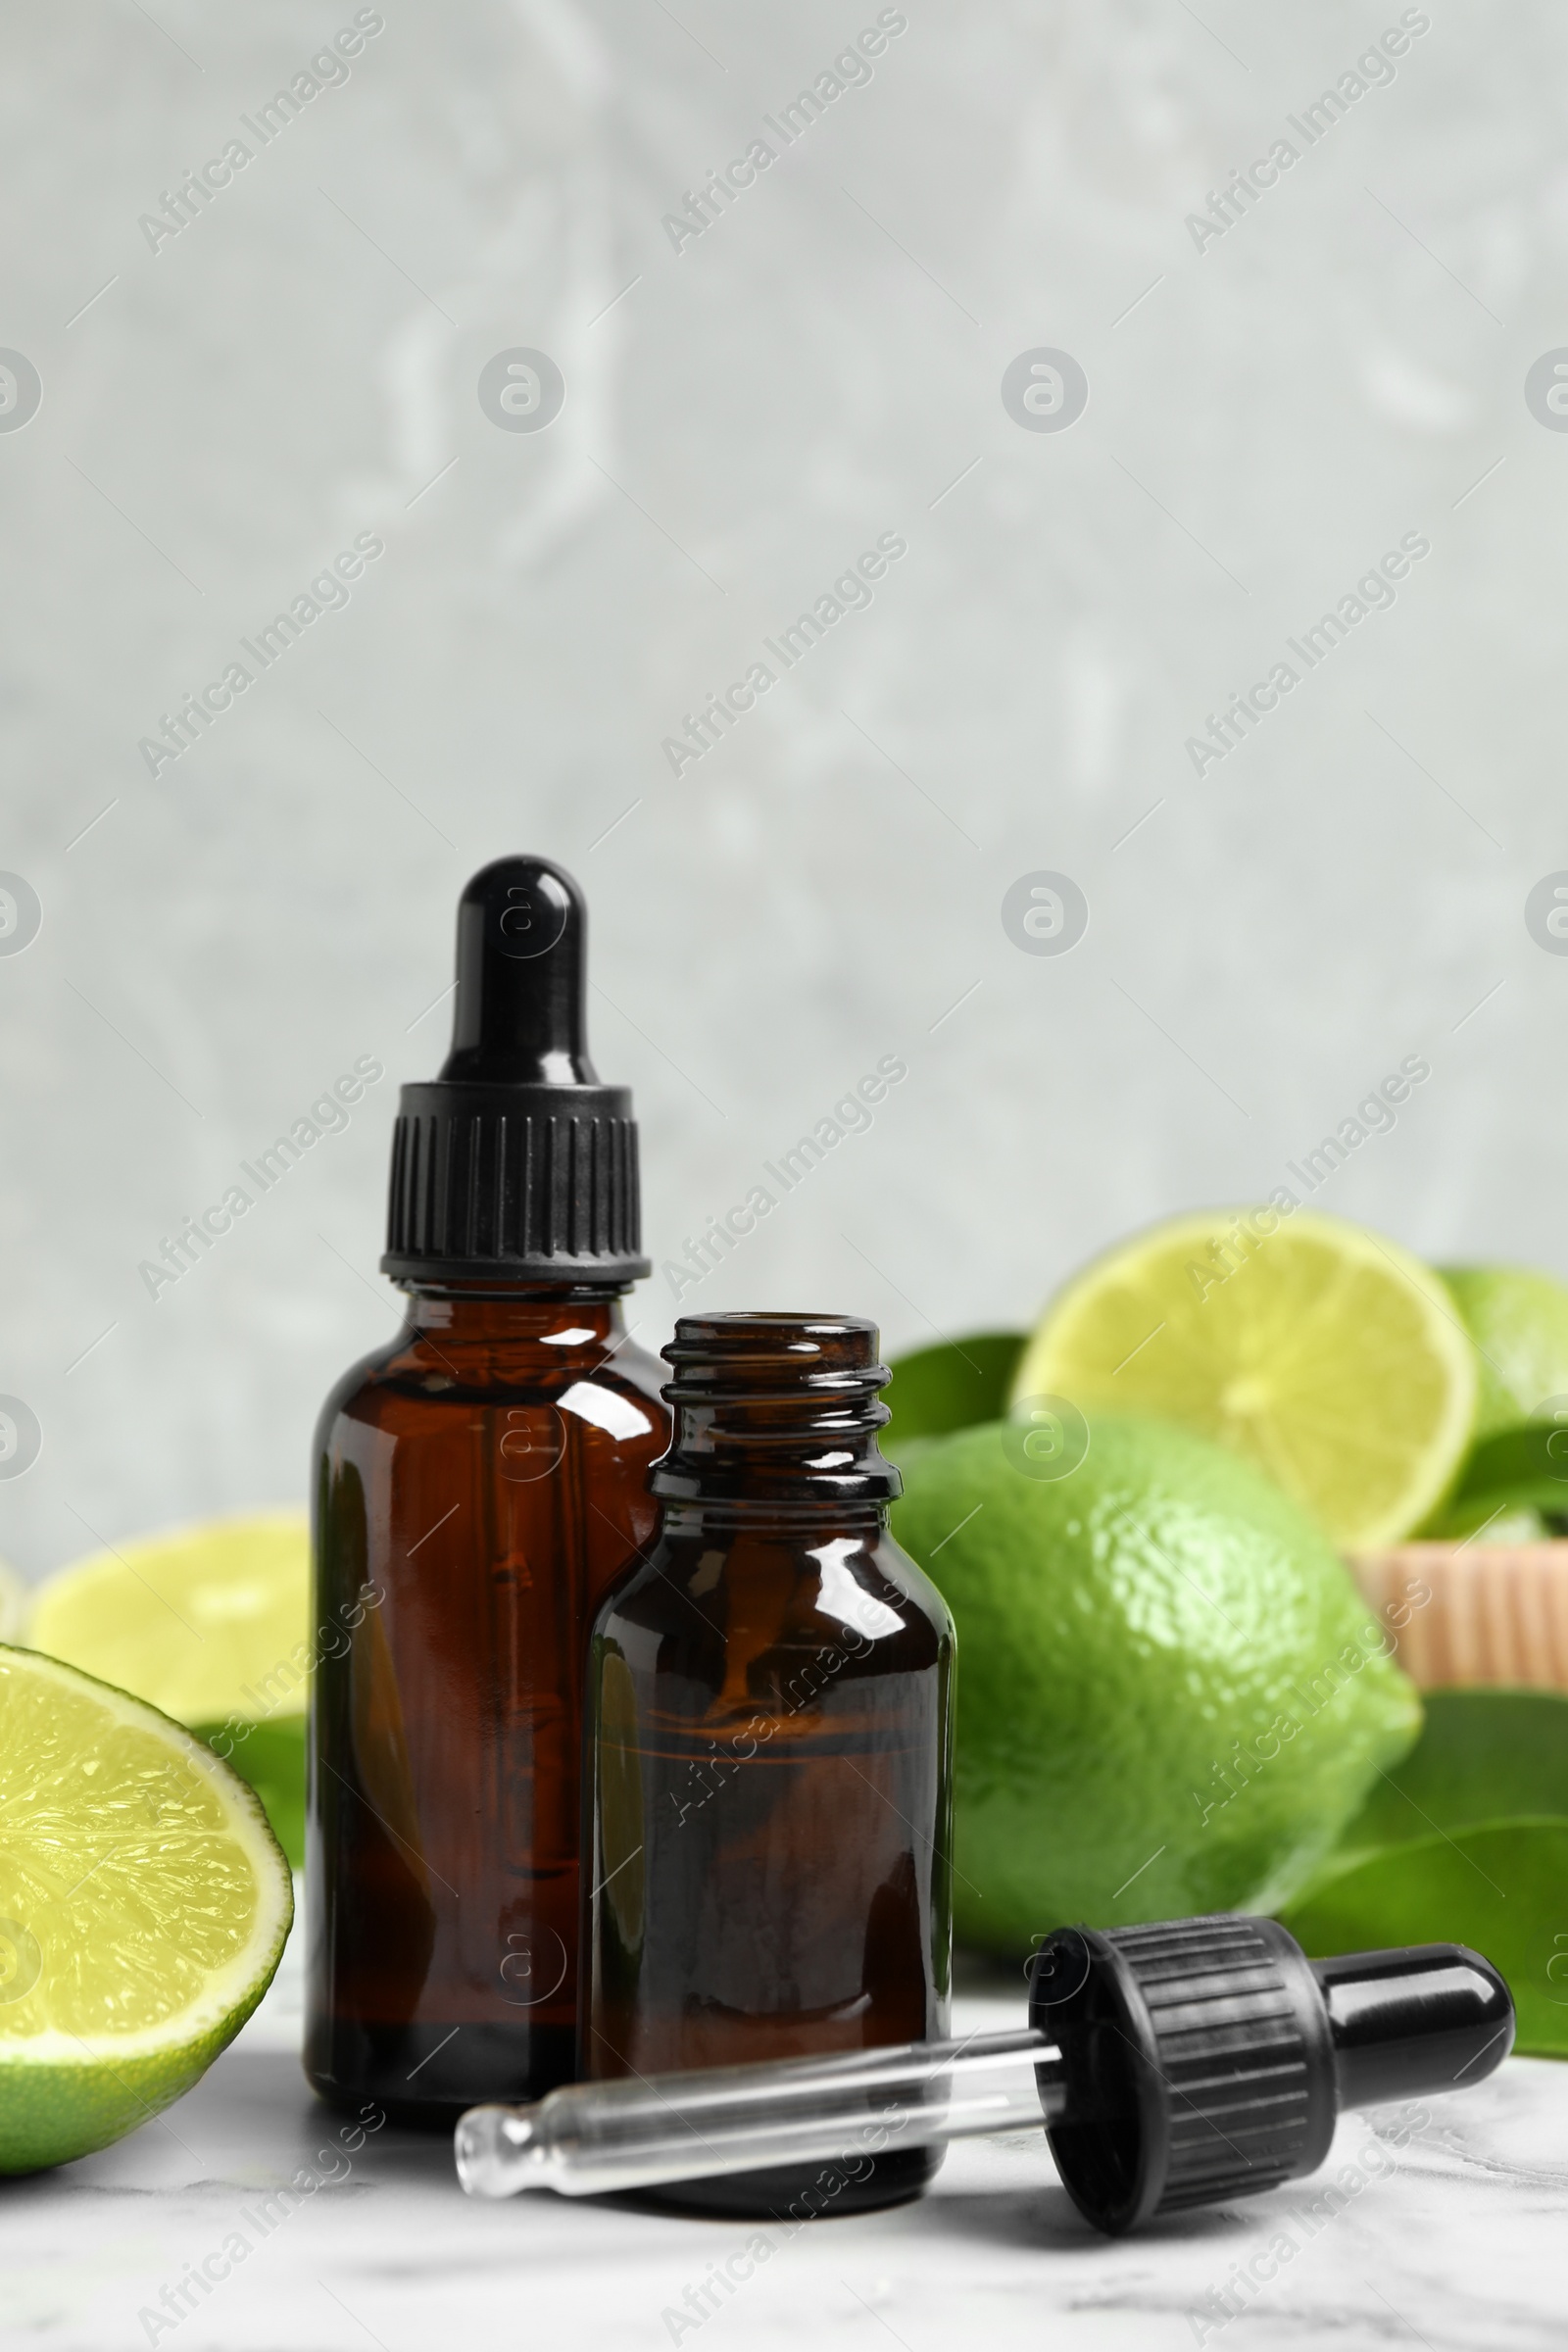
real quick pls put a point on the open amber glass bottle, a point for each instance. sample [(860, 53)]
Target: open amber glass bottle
[(770, 1703)]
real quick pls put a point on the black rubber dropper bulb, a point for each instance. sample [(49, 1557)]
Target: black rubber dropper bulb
[(1172, 2066), (515, 1162), (1431, 2017), (520, 1016)]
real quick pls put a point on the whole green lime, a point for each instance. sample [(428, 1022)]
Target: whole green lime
[(1171, 1695), (1518, 1319)]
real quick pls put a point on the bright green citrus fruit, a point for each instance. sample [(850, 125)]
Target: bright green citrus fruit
[(1327, 1355), (1170, 1698), (210, 1625), (1518, 1321), (144, 1903)]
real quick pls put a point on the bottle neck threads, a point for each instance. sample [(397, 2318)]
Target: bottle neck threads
[(775, 1408)]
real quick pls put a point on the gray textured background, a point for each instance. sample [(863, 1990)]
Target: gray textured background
[(299, 363)]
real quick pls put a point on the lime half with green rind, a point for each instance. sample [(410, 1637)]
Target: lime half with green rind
[(1324, 1354), (210, 1625), (144, 1906)]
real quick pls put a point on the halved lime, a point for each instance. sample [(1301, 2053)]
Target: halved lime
[(1323, 1352), (209, 1624), (204, 1623), (144, 1904)]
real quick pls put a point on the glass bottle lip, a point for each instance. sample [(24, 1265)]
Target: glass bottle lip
[(754, 1347)]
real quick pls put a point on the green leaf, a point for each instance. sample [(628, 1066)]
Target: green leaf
[(1500, 1888), (1530, 1462), (1464, 1842), (1483, 1756), (950, 1387), (1502, 1515), (270, 1755)]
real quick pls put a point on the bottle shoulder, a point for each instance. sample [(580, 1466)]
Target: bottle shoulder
[(416, 1372), (895, 1564), (736, 1586), (361, 1378)]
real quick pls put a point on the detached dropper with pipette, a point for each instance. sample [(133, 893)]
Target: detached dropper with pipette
[(1171, 2066)]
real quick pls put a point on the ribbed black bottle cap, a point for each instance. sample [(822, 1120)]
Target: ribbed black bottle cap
[(516, 1165), (1197, 2063)]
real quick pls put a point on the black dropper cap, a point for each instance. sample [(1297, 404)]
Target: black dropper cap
[(1210, 2058), (516, 1165)]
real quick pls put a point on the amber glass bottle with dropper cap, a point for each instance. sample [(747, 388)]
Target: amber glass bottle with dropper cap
[(478, 1485), (770, 1714)]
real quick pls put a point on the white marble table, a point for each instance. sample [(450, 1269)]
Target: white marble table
[(1458, 2240)]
